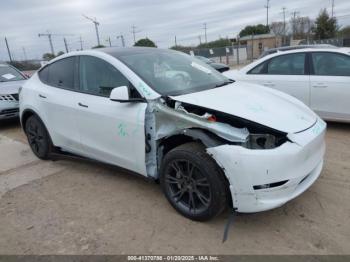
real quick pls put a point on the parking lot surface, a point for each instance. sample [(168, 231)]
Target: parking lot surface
[(71, 206)]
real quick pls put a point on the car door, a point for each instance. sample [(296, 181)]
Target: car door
[(58, 100), (330, 85), (286, 73), (112, 132)]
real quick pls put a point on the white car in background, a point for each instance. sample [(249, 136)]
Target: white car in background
[(320, 78), (210, 141), (11, 80)]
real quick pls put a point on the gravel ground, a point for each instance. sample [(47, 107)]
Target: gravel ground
[(78, 207)]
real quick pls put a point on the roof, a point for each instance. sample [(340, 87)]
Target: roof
[(261, 36), (121, 51)]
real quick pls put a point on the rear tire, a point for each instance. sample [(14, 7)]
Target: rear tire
[(38, 137), (193, 183)]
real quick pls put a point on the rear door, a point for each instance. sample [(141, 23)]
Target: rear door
[(330, 85), (287, 73), (58, 100), (110, 131)]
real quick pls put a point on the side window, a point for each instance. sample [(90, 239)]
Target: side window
[(44, 74), (292, 64), (331, 64), (259, 69), (61, 73), (98, 77)]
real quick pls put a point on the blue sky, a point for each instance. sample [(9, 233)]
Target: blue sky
[(160, 20)]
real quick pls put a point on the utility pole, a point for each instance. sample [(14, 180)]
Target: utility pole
[(49, 36), (122, 39), (267, 6), (284, 24), (81, 43), (332, 8), (200, 39), (175, 42), (96, 27), (109, 40), (205, 32), (134, 31), (294, 22), (8, 49), (24, 54), (65, 44)]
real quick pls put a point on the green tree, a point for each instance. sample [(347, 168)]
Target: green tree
[(48, 56), (344, 32), (325, 26), (254, 29), (185, 49), (60, 53), (145, 42)]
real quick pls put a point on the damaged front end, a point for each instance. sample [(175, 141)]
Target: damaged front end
[(167, 118)]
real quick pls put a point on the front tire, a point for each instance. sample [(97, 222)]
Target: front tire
[(38, 137), (193, 183)]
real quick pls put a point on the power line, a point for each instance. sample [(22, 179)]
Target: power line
[(49, 36), (96, 27)]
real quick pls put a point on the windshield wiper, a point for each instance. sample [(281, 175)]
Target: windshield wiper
[(225, 83)]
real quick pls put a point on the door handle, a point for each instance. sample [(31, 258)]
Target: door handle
[(319, 86), (269, 84), (41, 96), (82, 105)]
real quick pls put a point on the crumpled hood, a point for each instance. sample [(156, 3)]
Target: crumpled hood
[(256, 103), (10, 87)]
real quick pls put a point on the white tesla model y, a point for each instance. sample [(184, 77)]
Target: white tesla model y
[(211, 142)]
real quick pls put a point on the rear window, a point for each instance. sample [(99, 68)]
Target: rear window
[(60, 73)]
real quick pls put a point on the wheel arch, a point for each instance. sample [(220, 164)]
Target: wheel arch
[(28, 113), (204, 137), (25, 115)]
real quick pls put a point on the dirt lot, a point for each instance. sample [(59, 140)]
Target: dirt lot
[(75, 207)]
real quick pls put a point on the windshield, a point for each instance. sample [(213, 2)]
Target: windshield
[(8, 73), (173, 73)]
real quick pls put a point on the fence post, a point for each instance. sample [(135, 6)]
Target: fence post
[(238, 44)]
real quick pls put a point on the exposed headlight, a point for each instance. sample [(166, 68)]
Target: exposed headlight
[(262, 141)]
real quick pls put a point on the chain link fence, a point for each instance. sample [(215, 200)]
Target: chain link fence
[(229, 55)]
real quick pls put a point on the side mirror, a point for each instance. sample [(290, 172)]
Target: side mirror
[(121, 94)]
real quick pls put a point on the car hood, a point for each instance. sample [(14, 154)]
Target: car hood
[(218, 65), (10, 87), (259, 104), (232, 74)]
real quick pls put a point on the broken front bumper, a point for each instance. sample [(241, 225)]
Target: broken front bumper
[(264, 179)]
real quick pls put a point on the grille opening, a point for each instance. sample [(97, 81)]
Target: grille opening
[(265, 186), (9, 111)]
